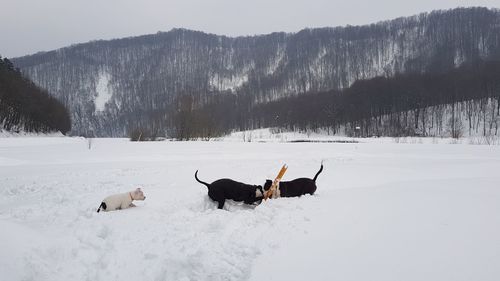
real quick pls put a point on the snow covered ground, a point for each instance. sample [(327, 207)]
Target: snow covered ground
[(383, 211)]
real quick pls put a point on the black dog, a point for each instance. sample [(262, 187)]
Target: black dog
[(223, 189), (295, 188)]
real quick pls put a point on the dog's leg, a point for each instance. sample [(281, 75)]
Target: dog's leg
[(132, 205), (124, 205), (221, 203)]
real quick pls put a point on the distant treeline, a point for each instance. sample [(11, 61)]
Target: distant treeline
[(464, 100), (25, 107)]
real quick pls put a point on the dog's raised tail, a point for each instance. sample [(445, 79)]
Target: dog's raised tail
[(198, 180), (102, 206), (316, 176)]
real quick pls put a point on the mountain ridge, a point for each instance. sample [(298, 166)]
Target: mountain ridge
[(149, 73), (254, 35)]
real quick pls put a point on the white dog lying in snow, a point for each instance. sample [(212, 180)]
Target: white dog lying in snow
[(121, 201)]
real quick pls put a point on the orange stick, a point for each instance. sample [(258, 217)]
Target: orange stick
[(273, 187)]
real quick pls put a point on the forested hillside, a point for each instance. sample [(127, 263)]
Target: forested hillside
[(26, 107), (113, 87), (461, 102)]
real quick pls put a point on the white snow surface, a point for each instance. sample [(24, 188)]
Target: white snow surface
[(382, 211), (103, 90)]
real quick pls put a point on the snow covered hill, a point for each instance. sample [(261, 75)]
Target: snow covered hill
[(112, 86), (383, 211)]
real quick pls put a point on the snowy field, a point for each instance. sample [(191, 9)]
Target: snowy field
[(382, 211)]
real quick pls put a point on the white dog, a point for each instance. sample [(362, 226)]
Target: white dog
[(121, 201)]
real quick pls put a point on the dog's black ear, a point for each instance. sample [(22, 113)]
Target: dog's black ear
[(268, 184)]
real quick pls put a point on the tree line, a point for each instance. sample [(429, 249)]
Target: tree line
[(26, 107), (464, 100)]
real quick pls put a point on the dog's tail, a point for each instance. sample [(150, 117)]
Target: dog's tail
[(316, 176), (198, 180), (102, 206)]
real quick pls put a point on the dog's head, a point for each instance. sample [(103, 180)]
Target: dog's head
[(138, 194), (276, 193), (258, 191), (268, 184)]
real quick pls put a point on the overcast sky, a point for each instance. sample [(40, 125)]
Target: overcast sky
[(30, 26)]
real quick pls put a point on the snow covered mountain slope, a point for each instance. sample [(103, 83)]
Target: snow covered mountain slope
[(110, 87), (382, 211)]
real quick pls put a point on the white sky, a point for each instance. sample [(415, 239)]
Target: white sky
[(29, 26)]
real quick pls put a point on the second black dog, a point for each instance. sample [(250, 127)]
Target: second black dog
[(223, 189), (296, 187)]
